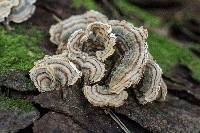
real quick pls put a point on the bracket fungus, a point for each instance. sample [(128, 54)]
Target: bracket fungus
[(86, 43), (54, 72), (61, 32), (16, 10)]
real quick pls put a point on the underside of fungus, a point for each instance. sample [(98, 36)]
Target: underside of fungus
[(16, 10), (86, 45)]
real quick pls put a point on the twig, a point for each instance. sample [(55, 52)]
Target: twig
[(117, 120), (56, 18)]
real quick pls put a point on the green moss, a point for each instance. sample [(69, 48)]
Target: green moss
[(15, 104), (88, 4), (129, 9), (167, 53), (194, 46), (19, 49)]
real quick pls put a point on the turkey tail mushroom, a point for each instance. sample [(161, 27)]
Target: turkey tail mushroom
[(100, 33), (96, 33), (92, 68), (153, 86), (16, 10), (5, 8), (23, 11), (91, 45), (54, 72), (74, 44), (60, 32), (100, 96), (133, 41)]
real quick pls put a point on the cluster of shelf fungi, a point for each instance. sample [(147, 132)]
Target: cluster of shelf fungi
[(105, 59), (110, 56)]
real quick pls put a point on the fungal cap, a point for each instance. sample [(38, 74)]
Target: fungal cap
[(129, 71), (153, 86), (90, 65), (53, 72), (61, 31), (100, 96), (92, 68), (23, 11), (101, 33), (5, 8)]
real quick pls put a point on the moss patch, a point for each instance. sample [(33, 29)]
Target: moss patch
[(19, 49), (15, 104), (88, 4), (167, 53), (194, 46), (129, 9)]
